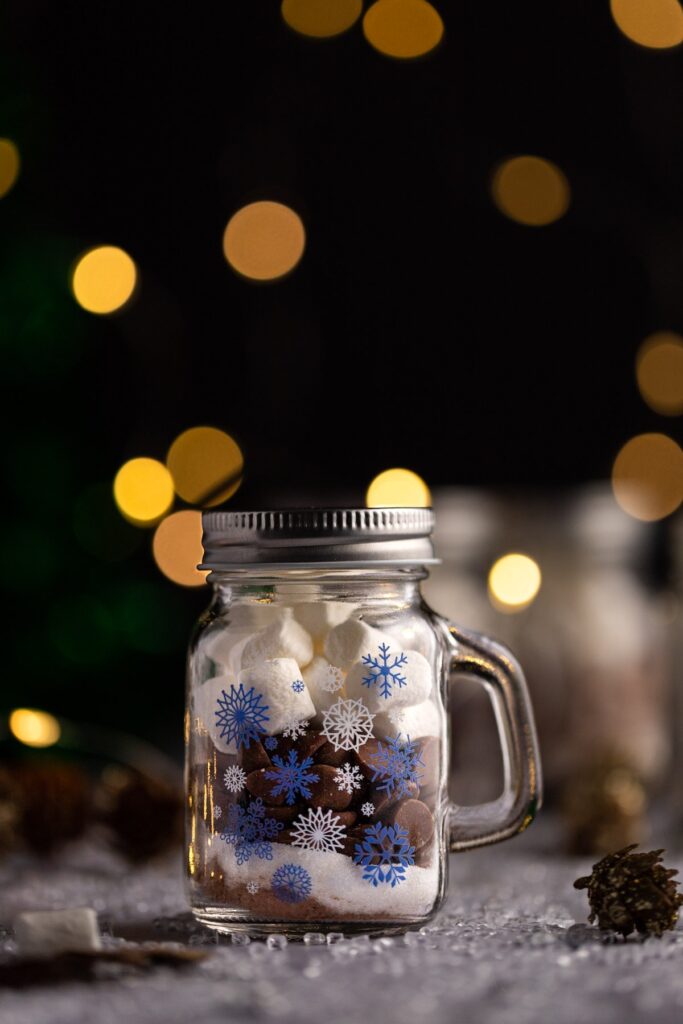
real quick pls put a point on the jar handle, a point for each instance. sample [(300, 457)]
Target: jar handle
[(498, 671)]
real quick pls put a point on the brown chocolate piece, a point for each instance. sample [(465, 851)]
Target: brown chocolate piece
[(325, 792), (364, 756), (253, 757), (285, 814), (416, 818), (326, 754), (353, 836), (383, 801), (259, 785)]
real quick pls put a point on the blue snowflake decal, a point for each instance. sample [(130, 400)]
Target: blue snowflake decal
[(384, 854), (241, 715), (291, 883), (397, 763), (298, 686), (250, 831), (384, 670), (292, 777), (270, 743)]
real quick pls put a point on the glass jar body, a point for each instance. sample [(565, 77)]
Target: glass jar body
[(316, 761)]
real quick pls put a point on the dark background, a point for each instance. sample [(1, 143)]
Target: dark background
[(421, 329)]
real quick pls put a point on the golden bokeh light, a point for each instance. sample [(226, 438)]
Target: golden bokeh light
[(264, 241), (647, 477), (10, 163), (143, 491), (659, 372), (656, 24), (398, 488), (321, 18), (530, 190), (34, 728), (514, 582), (104, 279), (177, 548), (206, 465), (403, 28)]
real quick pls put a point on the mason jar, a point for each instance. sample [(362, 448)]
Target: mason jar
[(316, 727)]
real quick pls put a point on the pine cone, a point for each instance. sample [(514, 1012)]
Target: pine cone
[(632, 892), (145, 815), (45, 803)]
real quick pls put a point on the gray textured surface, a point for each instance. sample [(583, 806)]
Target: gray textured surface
[(510, 946)]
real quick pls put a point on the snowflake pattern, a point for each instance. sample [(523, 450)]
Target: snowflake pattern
[(291, 777), (253, 888), (235, 778), (396, 762), (347, 724), (217, 812), (295, 728), (319, 831), (331, 679), (270, 743), (241, 715), (291, 883), (348, 778), (384, 854), (250, 831), (384, 670), (368, 809), (298, 686)]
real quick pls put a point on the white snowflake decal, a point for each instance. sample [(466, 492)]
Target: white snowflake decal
[(295, 728), (368, 809), (331, 679), (384, 670), (347, 724), (348, 778), (217, 811), (235, 778), (253, 888), (318, 830)]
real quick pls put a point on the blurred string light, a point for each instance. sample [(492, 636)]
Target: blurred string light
[(647, 477), (104, 279), (206, 465), (10, 163), (659, 372), (143, 491), (656, 24), (177, 548), (514, 582), (530, 190), (264, 240), (403, 29), (321, 18), (395, 488), (34, 728)]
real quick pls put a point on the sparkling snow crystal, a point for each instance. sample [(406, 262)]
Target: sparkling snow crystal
[(298, 686), (368, 809), (291, 777), (331, 680), (347, 724), (396, 762), (291, 883), (348, 778), (294, 728), (384, 670), (318, 830), (384, 854), (250, 831), (241, 715), (235, 778)]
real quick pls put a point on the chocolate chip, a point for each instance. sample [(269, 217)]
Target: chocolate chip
[(416, 818), (383, 801), (353, 836), (305, 746), (325, 792), (285, 814), (259, 785), (365, 755), (328, 755), (253, 757)]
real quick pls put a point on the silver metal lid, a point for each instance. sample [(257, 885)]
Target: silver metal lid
[(324, 538)]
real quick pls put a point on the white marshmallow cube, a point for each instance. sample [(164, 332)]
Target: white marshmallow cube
[(347, 643), (319, 617), (206, 705), (284, 638), (275, 680), (417, 721), (325, 683), (227, 640), (47, 932), (386, 692)]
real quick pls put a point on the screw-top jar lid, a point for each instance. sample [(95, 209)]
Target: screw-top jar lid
[(297, 538)]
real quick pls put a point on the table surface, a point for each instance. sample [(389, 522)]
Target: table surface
[(510, 946)]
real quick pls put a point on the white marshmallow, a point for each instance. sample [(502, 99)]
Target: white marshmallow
[(418, 721), (347, 643), (206, 705), (284, 638), (321, 678), (319, 617), (416, 671), (46, 932), (227, 640), (274, 679), (256, 616)]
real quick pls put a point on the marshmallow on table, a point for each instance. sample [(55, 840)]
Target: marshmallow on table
[(46, 932), (350, 641), (319, 617), (417, 721), (284, 638), (385, 691), (273, 679), (325, 683)]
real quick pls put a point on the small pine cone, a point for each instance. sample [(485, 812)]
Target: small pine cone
[(632, 892), (144, 815)]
